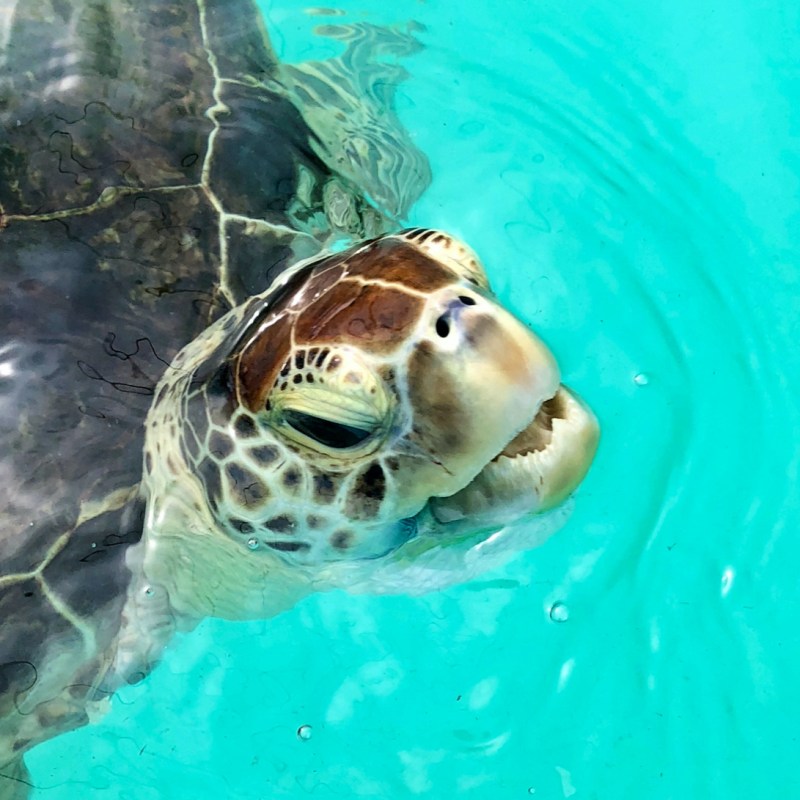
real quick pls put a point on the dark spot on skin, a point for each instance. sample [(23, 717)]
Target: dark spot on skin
[(286, 368), (244, 486), (333, 364), (297, 378), (393, 463), (368, 493), (265, 454), (341, 540), (288, 547), (255, 493), (244, 426), (322, 356), (291, 478), (372, 482), (148, 461), (300, 360), (220, 446), (313, 521), (324, 488), (312, 354), (173, 465), (240, 525), (283, 386), (281, 524), (309, 377)]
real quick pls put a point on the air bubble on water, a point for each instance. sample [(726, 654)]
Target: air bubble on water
[(304, 732), (559, 612), (640, 379), (727, 581), (252, 543), (531, 790)]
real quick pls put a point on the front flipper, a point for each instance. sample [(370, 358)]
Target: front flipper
[(349, 103)]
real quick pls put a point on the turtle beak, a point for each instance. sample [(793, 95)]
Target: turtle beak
[(559, 462), (535, 472)]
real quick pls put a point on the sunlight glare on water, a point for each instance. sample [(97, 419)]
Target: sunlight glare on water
[(625, 172)]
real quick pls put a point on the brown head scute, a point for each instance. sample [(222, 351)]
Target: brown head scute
[(371, 315), (370, 298), (391, 260), (261, 361)]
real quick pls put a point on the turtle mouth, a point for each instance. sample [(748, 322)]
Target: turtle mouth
[(535, 472)]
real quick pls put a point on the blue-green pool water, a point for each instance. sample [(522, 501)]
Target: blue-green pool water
[(629, 173)]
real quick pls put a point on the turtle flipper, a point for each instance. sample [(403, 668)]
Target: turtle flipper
[(15, 781), (349, 103)]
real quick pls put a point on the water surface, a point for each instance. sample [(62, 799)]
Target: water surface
[(629, 175)]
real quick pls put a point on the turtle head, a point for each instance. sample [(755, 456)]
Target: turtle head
[(376, 397)]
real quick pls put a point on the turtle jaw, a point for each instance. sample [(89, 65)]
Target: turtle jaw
[(535, 472)]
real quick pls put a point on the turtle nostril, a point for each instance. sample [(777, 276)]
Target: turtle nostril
[(467, 300), (443, 326)]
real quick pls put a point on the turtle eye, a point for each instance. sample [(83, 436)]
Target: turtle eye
[(325, 431)]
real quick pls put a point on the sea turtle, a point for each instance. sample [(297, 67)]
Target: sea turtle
[(203, 412)]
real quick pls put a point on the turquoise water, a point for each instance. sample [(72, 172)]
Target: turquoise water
[(630, 176)]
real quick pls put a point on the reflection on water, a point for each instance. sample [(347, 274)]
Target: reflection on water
[(627, 186)]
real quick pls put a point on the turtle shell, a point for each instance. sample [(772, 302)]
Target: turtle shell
[(154, 171)]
